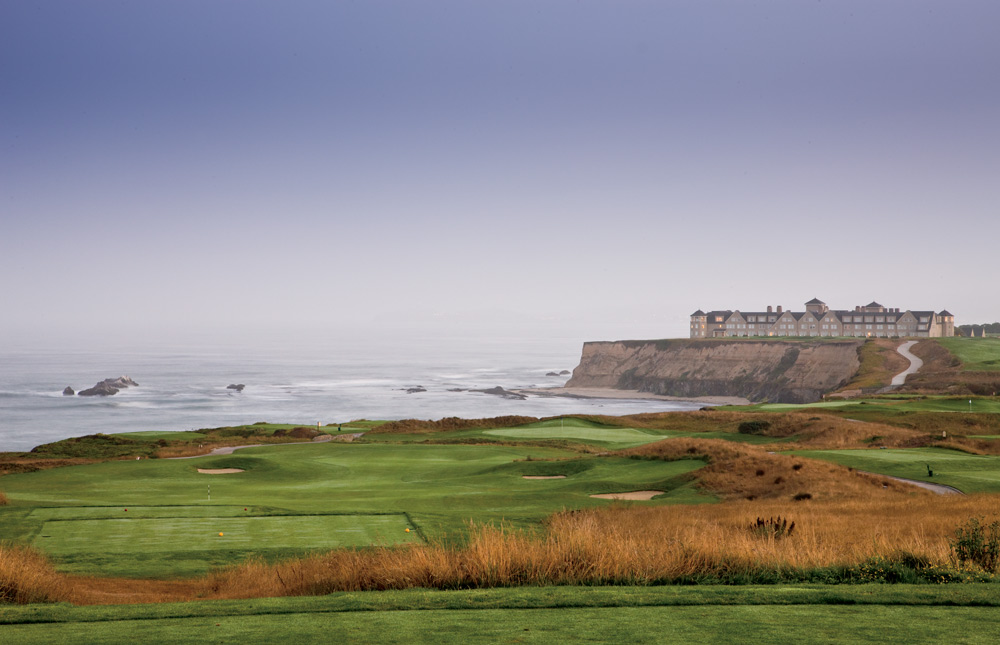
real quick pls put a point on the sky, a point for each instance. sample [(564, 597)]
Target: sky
[(589, 168)]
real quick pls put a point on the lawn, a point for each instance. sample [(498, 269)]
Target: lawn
[(780, 614), (894, 405), (976, 354), (966, 472), (303, 497), (578, 430)]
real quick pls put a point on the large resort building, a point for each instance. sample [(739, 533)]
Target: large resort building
[(872, 320)]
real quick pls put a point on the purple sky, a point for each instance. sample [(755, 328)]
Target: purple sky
[(592, 168)]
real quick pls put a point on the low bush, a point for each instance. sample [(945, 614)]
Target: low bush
[(978, 543), (754, 426)]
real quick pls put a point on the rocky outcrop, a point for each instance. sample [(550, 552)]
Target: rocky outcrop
[(68, 391), (108, 387), (499, 391), (765, 370), (236, 386)]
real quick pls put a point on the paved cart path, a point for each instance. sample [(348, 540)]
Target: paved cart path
[(915, 363)]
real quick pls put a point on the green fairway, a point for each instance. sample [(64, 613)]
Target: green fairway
[(976, 354), (305, 497), (71, 537), (782, 614), (966, 472), (612, 437), (579, 430), (895, 405)]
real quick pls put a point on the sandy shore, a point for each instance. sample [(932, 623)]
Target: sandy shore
[(610, 393)]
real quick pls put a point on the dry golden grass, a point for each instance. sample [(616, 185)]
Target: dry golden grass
[(11, 463), (619, 544), (418, 426), (26, 576), (739, 471), (942, 373), (625, 545), (3, 499)]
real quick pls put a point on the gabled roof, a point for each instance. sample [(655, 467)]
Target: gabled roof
[(873, 304), (815, 301), (945, 312), (698, 313)]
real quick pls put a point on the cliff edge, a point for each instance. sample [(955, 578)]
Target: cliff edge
[(764, 370)]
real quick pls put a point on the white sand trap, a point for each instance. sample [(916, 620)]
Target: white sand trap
[(543, 476), (219, 471), (636, 494)]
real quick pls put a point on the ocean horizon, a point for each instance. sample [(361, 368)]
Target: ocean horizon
[(182, 385)]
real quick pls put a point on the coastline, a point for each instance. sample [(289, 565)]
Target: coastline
[(611, 393)]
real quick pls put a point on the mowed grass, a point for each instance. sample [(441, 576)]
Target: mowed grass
[(966, 472), (578, 430), (151, 535), (612, 437), (302, 498), (782, 614), (976, 354), (894, 405)]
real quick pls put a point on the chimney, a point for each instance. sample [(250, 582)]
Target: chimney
[(769, 309), (779, 309)]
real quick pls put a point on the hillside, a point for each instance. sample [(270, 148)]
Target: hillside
[(771, 370)]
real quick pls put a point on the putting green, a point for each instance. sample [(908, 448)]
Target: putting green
[(576, 430)]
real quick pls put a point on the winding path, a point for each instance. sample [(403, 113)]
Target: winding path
[(915, 363), (940, 489)]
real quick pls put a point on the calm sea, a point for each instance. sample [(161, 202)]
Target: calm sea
[(183, 386)]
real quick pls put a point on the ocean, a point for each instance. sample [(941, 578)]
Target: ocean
[(183, 385)]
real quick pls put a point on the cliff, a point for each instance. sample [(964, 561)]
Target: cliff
[(764, 370)]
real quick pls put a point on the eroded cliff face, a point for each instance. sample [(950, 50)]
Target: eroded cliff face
[(766, 370)]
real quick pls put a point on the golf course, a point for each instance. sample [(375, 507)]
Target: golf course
[(514, 529)]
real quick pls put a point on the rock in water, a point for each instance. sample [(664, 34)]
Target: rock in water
[(499, 391), (108, 387), (236, 386), (552, 374), (101, 389), (564, 373), (68, 391)]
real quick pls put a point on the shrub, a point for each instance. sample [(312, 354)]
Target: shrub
[(802, 496), (978, 543), (756, 426), (772, 527)]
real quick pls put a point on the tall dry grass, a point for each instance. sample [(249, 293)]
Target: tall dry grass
[(612, 545), (26, 576), (740, 471), (622, 545)]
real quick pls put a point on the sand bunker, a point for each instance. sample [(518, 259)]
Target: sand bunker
[(219, 471), (543, 476), (636, 494)]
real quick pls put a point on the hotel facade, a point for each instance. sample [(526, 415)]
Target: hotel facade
[(872, 320)]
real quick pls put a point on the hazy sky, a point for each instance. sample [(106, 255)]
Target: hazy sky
[(595, 167)]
